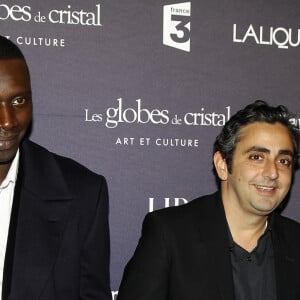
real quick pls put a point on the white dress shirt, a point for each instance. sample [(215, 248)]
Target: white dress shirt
[(7, 188)]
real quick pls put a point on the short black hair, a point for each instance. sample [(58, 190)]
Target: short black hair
[(259, 111), (9, 50)]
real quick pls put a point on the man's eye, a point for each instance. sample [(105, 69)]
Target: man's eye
[(255, 157), (285, 161), (18, 101)]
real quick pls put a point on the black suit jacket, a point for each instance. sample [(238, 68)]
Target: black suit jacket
[(183, 254), (58, 243)]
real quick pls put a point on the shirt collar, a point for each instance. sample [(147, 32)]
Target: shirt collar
[(12, 172)]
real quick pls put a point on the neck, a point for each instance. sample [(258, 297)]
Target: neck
[(246, 227), (246, 234)]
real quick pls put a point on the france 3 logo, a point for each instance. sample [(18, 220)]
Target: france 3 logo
[(177, 25)]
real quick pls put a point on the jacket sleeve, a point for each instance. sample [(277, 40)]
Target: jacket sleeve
[(95, 256), (146, 275)]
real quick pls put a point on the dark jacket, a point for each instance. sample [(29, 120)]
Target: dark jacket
[(183, 254), (58, 243)]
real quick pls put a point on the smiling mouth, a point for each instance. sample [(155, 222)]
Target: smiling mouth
[(7, 138), (265, 188)]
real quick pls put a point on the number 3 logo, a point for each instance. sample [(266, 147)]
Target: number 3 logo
[(183, 34)]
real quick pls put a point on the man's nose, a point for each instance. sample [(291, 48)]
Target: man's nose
[(7, 117), (270, 170)]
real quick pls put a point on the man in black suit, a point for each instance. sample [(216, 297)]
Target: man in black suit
[(54, 235), (232, 244)]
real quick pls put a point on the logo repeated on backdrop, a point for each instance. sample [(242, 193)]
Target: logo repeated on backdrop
[(281, 37), (66, 16), (122, 114), (138, 113), (177, 25), (165, 202)]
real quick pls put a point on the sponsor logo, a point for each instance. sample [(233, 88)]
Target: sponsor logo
[(177, 25), (122, 114), (140, 114), (165, 202), (281, 37), (137, 113), (68, 15)]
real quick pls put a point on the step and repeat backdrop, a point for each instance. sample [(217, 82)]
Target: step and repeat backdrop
[(138, 90)]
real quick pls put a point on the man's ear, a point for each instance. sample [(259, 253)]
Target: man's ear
[(221, 166)]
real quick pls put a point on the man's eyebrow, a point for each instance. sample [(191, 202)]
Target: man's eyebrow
[(286, 152), (257, 149), (27, 93)]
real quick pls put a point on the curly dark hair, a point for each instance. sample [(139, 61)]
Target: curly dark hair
[(259, 111)]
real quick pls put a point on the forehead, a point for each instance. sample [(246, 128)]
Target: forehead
[(274, 137), (14, 74)]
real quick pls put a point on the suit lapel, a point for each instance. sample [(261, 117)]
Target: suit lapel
[(214, 234), (43, 209)]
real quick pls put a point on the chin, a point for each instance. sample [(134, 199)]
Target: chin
[(6, 158)]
